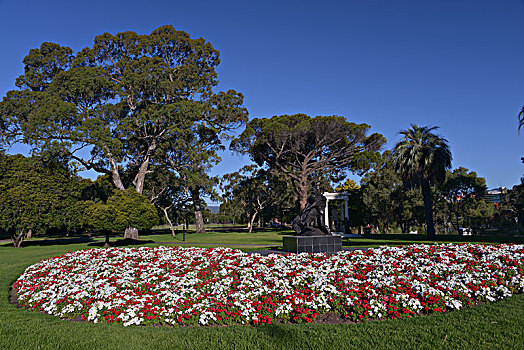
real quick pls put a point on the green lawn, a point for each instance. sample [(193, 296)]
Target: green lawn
[(496, 325), (236, 236)]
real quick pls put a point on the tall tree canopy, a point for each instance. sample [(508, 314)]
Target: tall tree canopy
[(514, 203), (421, 159), (307, 149), (116, 104), (191, 158)]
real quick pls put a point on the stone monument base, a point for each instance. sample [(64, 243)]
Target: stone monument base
[(312, 244)]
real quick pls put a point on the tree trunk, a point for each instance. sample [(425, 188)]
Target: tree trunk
[(140, 177), (131, 233), (115, 174), (458, 223), (199, 218), (302, 195), (252, 221), (169, 221), (18, 238), (106, 245), (428, 210)]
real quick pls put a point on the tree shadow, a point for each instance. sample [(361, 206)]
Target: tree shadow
[(50, 242), (226, 229), (356, 243), (404, 239), (283, 334), (122, 243)]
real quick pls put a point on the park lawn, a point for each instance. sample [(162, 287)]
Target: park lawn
[(374, 241), (222, 236), (497, 325), (233, 237), (268, 237), (239, 237)]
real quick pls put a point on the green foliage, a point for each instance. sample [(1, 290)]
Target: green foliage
[(36, 196), (308, 149), (511, 211), (348, 186), (130, 99), (253, 192), (463, 193), (99, 190), (516, 200), (421, 159), (387, 202), (123, 209)]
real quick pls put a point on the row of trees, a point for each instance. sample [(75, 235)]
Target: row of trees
[(38, 196), (458, 202), (407, 188), (142, 111)]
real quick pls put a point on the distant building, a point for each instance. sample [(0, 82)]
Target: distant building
[(496, 195)]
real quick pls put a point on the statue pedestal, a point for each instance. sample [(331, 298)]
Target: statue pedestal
[(312, 244)]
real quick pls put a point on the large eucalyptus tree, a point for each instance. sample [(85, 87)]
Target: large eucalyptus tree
[(114, 105), (421, 159)]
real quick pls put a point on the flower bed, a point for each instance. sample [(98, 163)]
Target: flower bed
[(173, 285)]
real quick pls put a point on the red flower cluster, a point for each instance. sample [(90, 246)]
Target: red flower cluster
[(172, 285)]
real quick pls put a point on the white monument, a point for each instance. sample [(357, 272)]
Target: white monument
[(344, 211)]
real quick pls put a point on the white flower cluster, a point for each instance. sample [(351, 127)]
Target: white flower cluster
[(174, 285)]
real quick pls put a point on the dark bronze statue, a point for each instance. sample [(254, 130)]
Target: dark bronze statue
[(310, 221)]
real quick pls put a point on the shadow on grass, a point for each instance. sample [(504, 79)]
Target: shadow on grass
[(50, 242), (283, 334), (121, 243), (367, 243), (403, 239), (280, 231)]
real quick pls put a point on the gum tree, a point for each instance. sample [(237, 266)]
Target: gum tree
[(253, 191), (114, 105), (191, 156)]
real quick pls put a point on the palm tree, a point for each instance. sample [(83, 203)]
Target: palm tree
[(421, 159)]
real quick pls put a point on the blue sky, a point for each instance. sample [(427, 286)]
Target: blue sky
[(457, 64)]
